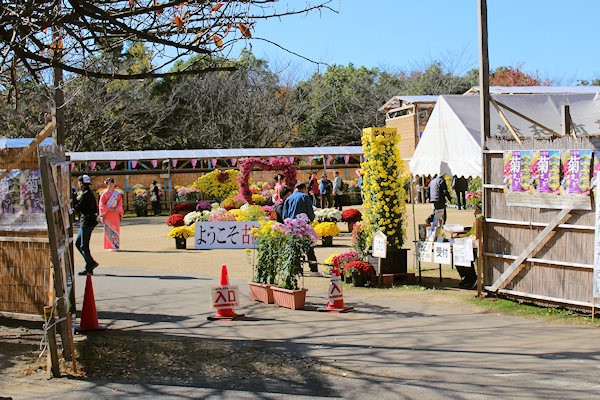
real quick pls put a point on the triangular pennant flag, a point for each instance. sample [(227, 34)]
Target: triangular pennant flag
[(154, 163), (346, 159), (214, 162), (329, 159), (194, 162), (233, 161), (292, 159), (113, 164), (133, 164), (174, 162), (310, 158), (72, 165), (93, 165)]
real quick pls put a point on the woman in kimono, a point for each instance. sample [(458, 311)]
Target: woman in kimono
[(111, 214)]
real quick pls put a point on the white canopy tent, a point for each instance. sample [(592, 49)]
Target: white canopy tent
[(451, 142)]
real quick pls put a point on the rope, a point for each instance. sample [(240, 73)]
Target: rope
[(47, 326)]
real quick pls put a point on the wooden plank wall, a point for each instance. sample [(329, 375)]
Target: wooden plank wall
[(570, 284)]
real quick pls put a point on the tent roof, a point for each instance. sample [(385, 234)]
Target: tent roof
[(213, 153), (450, 143), (21, 142), (399, 101), (537, 89)]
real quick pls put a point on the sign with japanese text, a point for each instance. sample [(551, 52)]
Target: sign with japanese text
[(379, 244), (224, 296), (224, 235), (21, 201), (462, 252), (548, 178), (442, 253), (425, 251)]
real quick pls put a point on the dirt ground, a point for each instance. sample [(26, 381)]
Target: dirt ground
[(145, 245)]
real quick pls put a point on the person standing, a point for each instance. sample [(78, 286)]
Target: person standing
[(155, 198), (278, 208), (325, 188), (438, 193), (85, 205), (460, 186), (337, 191), (301, 203), (313, 188), (277, 188), (359, 183), (111, 214)]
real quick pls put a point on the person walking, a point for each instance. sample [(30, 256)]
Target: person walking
[(85, 205), (155, 198), (313, 188), (338, 191), (111, 214), (278, 208), (460, 186), (438, 193), (325, 187), (301, 203)]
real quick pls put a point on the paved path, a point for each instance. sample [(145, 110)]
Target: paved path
[(390, 348)]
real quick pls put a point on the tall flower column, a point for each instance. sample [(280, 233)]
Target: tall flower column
[(382, 186)]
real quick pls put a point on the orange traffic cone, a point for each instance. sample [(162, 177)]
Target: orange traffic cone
[(89, 315), (336, 297), (224, 299)]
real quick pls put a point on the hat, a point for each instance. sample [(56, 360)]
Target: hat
[(85, 179)]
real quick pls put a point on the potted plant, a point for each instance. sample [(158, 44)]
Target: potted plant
[(180, 234), (175, 220), (359, 273), (351, 216), (328, 215), (359, 240), (327, 230), (298, 238), (384, 192), (140, 203), (268, 244)]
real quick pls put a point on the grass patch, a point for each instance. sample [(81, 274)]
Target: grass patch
[(512, 307)]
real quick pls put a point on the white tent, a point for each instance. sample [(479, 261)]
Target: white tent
[(451, 142)]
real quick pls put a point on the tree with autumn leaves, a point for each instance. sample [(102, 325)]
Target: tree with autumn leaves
[(38, 35)]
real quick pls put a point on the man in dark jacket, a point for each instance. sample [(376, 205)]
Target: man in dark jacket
[(86, 206), (438, 193), (460, 186), (301, 203), (278, 208)]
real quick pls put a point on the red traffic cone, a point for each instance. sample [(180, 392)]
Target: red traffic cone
[(336, 297), (89, 315), (224, 298)]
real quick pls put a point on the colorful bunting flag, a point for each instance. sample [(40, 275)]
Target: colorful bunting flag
[(113, 164), (174, 162), (133, 164), (194, 162), (154, 163), (93, 165)]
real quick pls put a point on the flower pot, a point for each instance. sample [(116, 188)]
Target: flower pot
[(261, 292), (351, 226), (141, 212), (180, 243), (395, 262), (327, 241), (293, 299)]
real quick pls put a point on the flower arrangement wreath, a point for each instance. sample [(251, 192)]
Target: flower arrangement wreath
[(289, 172)]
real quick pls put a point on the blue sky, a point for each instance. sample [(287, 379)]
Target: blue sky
[(556, 39)]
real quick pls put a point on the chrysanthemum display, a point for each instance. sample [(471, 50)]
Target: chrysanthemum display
[(328, 215), (218, 184), (382, 185), (327, 229)]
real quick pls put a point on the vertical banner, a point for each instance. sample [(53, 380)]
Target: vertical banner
[(545, 172), (517, 169), (576, 172)]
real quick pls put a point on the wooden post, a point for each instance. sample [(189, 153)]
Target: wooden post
[(567, 123), (484, 105), (53, 364), (479, 236)]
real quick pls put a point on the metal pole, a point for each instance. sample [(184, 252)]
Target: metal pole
[(414, 221)]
